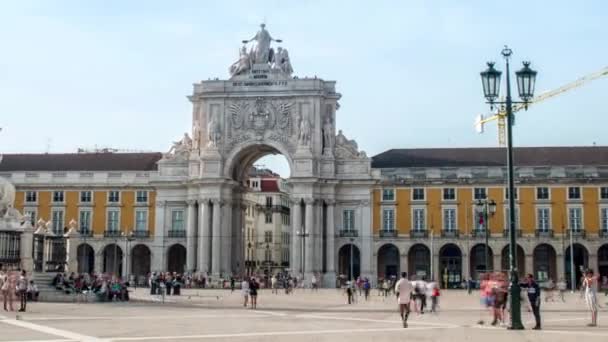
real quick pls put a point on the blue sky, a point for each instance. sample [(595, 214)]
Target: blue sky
[(117, 73)]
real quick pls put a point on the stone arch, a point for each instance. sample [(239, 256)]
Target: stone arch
[(544, 261), (388, 261), (580, 260), (141, 258), (86, 258), (477, 262), (505, 263), (419, 261), (450, 266), (112, 259), (344, 261), (602, 260), (176, 258), (244, 155)]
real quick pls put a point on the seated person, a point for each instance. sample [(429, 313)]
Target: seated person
[(32, 291)]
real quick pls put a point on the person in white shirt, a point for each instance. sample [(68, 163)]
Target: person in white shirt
[(403, 291), (245, 291)]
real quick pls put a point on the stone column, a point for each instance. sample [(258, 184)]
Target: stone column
[(329, 240), (366, 238), (27, 243), (98, 262), (216, 248), (204, 237), (158, 263), (496, 259), (318, 210), (296, 241), (191, 237), (560, 267), (72, 238), (227, 239), (529, 261), (466, 274), (593, 263), (309, 241)]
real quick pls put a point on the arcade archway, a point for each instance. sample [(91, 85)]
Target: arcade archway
[(112, 259), (419, 261), (450, 264), (477, 260), (176, 259), (388, 261), (545, 262), (140, 261), (349, 258), (579, 260), (505, 261), (86, 258), (602, 260)]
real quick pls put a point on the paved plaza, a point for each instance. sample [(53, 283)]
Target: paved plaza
[(218, 315)]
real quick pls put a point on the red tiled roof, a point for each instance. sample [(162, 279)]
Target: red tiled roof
[(270, 185), (80, 162)]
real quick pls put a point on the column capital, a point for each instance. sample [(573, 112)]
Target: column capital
[(217, 201), (161, 204), (191, 202), (295, 200), (309, 201), (330, 202)]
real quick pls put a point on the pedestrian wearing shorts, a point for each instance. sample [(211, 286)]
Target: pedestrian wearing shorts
[(245, 291), (590, 287), (403, 291)]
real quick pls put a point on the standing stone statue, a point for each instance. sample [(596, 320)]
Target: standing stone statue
[(196, 135), (213, 132), (304, 134), (281, 61), (328, 135), (260, 52)]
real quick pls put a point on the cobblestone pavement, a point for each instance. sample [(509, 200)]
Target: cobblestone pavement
[(218, 315)]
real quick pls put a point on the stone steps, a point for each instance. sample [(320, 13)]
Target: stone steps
[(48, 293)]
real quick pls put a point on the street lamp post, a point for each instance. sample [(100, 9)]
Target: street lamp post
[(303, 235), (352, 271), (526, 78), (128, 239), (486, 208)]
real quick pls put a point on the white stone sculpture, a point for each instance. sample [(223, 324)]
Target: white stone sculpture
[(7, 196), (213, 132), (196, 135), (281, 61), (328, 135), (260, 52), (180, 148), (346, 148), (243, 64), (304, 133)]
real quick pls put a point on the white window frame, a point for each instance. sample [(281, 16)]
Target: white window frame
[(517, 217), (548, 193), (485, 191), (117, 228), (80, 193), (25, 197), (62, 196), (388, 200), (345, 222), (416, 227), (580, 192), (538, 219), (580, 219), (90, 227), (268, 236), (137, 196), (449, 199), (388, 224), (57, 227), (506, 192), (110, 192), (444, 219), (135, 221), (604, 218), (423, 195), (268, 218), (173, 220)]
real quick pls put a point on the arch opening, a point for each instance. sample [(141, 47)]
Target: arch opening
[(419, 262), (579, 261), (450, 263), (477, 261), (112, 259), (176, 259), (349, 261), (140, 262), (86, 258), (505, 261), (388, 262), (544, 258)]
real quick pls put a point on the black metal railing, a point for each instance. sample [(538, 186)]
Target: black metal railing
[(450, 233), (603, 233), (10, 249), (388, 233), (86, 232), (478, 233), (38, 252), (419, 234), (578, 233), (112, 233), (141, 233), (505, 232), (57, 254), (177, 233), (348, 233), (544, 233)]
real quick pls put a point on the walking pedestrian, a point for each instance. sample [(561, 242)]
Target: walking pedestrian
[(349, 293), (4, 288), (590, 287), (232, 284), (253, 292), (434, 293), (22, 290), (403, 291), (561, 288), (245, 291), (533, 291), (366, 288)]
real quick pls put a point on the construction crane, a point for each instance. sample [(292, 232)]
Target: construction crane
[(501, 114)]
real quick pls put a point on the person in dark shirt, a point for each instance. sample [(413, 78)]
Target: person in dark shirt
[(533, 291)]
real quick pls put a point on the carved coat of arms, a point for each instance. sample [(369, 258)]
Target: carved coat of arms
[(260, 116)]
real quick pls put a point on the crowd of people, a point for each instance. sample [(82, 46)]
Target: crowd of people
[(106, 287)]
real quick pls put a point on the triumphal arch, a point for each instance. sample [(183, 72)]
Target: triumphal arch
[(262, 108)]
